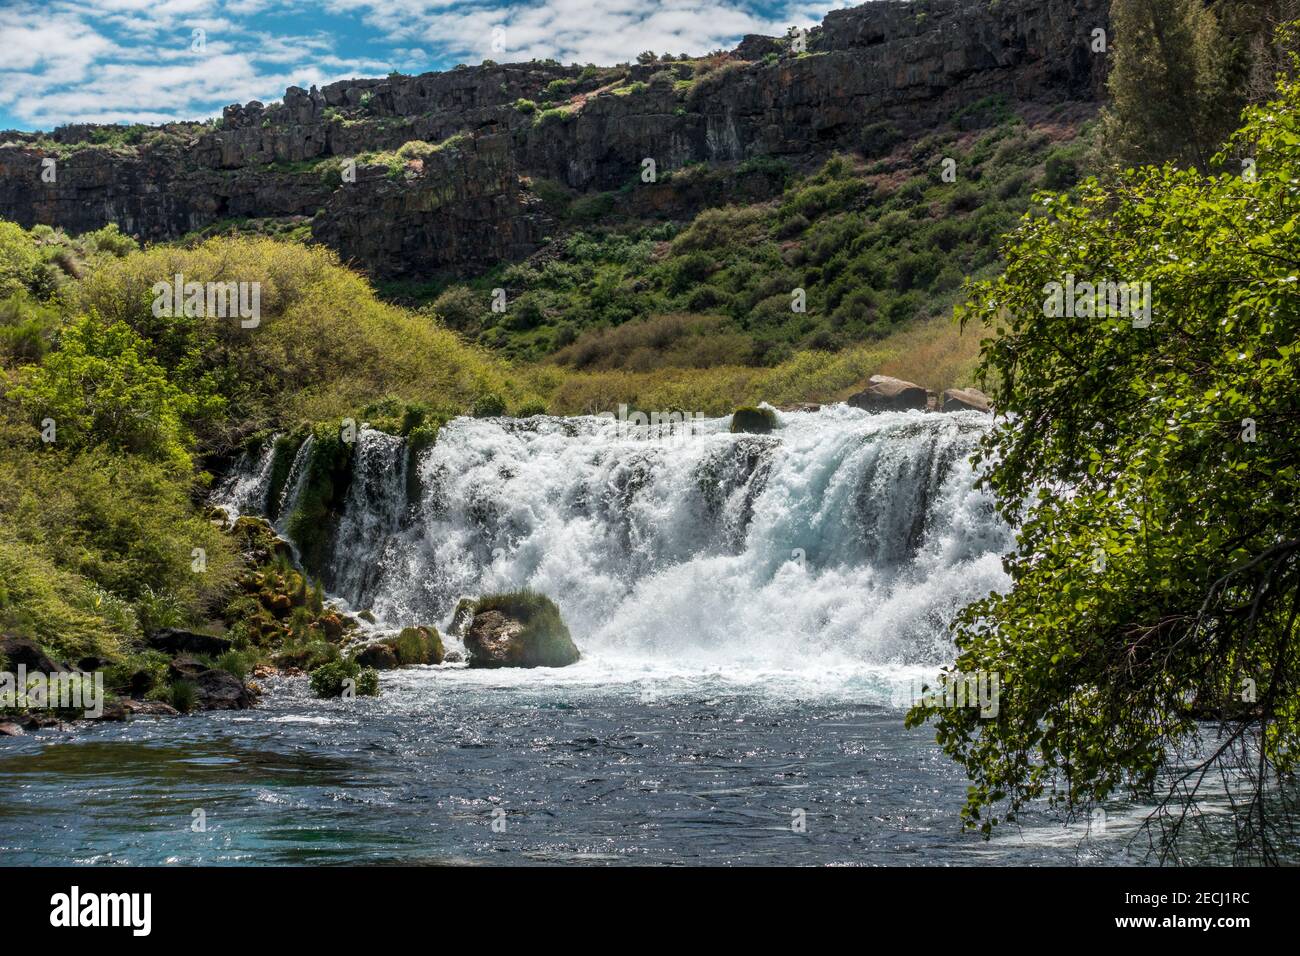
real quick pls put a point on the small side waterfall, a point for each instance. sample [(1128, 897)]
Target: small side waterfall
[(245, 489), (841, 534), (293, 484), (372, 515)]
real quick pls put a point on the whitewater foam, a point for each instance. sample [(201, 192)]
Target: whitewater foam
[(842, 539)]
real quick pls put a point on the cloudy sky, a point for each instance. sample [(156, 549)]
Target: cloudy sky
[(111, 61)]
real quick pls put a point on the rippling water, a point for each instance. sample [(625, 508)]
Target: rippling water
[(748, 608), (675, 768)]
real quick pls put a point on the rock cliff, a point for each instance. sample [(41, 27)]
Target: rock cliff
[(494, 138)]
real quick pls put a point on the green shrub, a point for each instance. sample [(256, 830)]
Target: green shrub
[(328, 680), (488, 405), (183, 695)]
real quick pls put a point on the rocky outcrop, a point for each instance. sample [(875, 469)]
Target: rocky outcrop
[(19, 651), (753, 421), (379, 656), (966, 399), (518, 631), (476, 202), (214, 689), (886, 394), (178, 641)]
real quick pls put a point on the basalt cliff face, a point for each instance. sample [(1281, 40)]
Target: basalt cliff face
[(475, 193)]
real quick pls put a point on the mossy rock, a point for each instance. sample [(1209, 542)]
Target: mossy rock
[(461, 617), (381, 656), (752, 420), (417, 645), (518, 629), (282, 455)]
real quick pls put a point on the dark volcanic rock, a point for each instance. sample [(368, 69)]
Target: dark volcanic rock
[(185, 667), (220, 690), (177, 641), (20, 651)]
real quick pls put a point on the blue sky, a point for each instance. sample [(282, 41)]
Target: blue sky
[(112, 61)]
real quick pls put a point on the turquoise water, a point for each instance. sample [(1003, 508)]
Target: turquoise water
[(683, 768)]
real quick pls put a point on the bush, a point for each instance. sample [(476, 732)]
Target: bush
[(329, 680), (417, 645), (20, 260), (1060, 172), (488, 405), (321, 326), (183, 695), (102, 387)]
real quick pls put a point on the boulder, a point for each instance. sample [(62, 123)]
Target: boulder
[(332, 625), (886, 394), (9, 729), (149, 708), (518, 630), (141, 682), (753, 421), (277, 604), (20, 651), (221, 690), (417, 645), (185, 667), (379, 656), (174, 640), (966, 399)]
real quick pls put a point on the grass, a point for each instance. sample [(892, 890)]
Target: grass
[(936, 354)]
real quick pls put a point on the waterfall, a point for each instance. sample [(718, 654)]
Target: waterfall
[(841, 533), (293, 485), (841, 536), (372, 515), (244, 490)]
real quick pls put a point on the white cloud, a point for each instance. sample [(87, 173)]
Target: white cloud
[(130, 60)]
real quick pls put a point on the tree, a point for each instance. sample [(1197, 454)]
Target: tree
[(1149, 641), (100, 387), (20, 260), (1173, 84)]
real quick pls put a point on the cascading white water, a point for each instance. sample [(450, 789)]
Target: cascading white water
[(244, 490), (372, 514), (293, 484), (841, 534), (842, 537)]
